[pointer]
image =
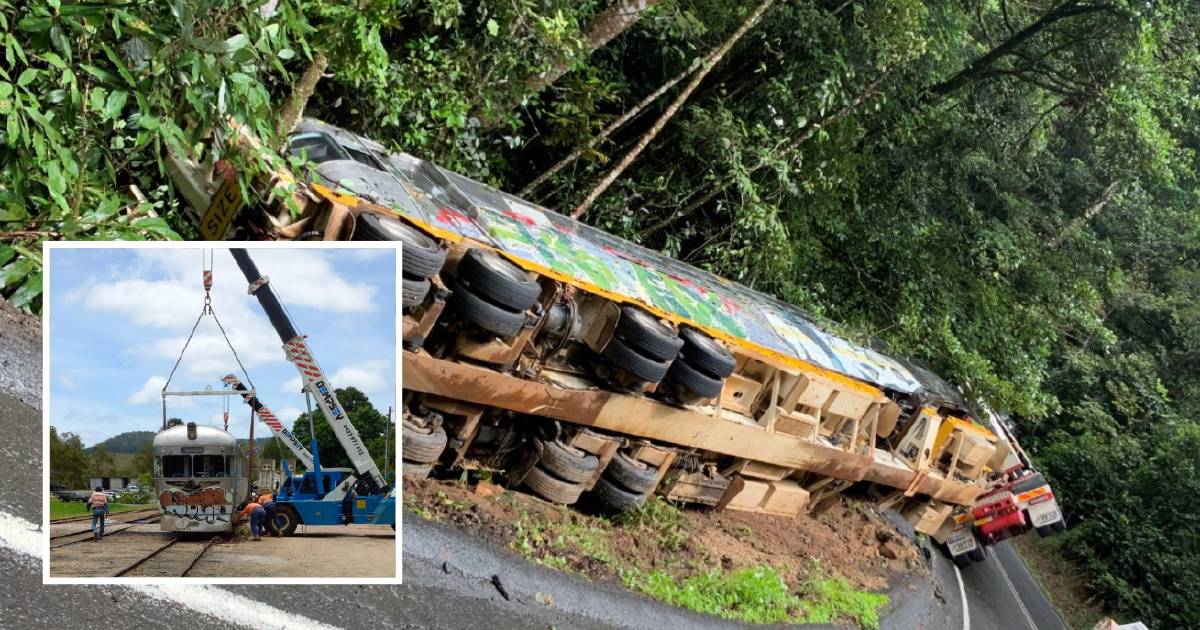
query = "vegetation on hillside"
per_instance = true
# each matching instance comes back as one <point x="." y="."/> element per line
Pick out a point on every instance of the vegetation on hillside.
<point x="371" y="424"/>
<point x="71" y="464"/>
<point x="127" y="442"/>
<point x="1004" y="190"/>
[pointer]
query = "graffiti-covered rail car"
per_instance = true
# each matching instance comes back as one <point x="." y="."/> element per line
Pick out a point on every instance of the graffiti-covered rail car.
<point x="200" y="478"/>
<point x="582" y="365"/>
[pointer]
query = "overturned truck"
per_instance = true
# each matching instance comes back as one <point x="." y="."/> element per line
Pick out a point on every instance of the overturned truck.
<point x="584" y="366"/>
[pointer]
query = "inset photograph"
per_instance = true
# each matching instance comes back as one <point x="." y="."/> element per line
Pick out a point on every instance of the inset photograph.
<point x="222" y="413"/>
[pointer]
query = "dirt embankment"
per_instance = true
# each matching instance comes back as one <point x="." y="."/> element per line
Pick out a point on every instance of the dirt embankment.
<point x="852" y="541"/>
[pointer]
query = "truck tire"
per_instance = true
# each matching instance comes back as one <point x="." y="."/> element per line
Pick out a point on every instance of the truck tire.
<point x="632" y="361"/>
<point x="490" y="317"/>
<point x="420" y="256"/>
<point x="412" y="291"/>
<point x="422" y="445"/>
<point x="705" y="354"/>
<point x="566" y="463"/>
<point x="682" y="373"/>
<point x="552" y="488"/>
<point x="497" y="280"/>
<point x="616" y="498"/>
<point x="961" y="561"/>
<point x="286" y="519"/>
<point x="413" y="470"/>
<point x="645" y="333"/>
<point x="977" y="554"/>
<point x="1044" y="531"/>
<point x="630" y="474"/>
<point x="1059" y="527"/>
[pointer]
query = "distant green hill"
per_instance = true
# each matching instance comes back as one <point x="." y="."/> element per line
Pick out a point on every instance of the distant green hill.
<point x="128" y="442"/>
<point x="132" y="441"/>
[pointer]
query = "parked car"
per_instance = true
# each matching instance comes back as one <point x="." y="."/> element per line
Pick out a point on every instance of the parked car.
<point x="74" y="495"/>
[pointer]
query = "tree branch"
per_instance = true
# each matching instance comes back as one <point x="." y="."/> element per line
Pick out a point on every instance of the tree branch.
<point x="709" y="62"/>
<point x="1088" y="215"/>
<point x="608" y="131"/>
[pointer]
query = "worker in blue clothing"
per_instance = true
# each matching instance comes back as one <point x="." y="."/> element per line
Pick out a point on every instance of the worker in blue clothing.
<point x="256" y="514"/>
<point x="98" y="504"/>
<point x="267" y="501"/>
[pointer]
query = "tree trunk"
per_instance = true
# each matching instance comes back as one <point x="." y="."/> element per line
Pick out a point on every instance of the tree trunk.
<point x="301" y="92"/>
<point x="602" y="29"/>
<point x="608" y="131"/>
<point x="980" y="66"/>
<point x="709" y="62"/>
<point x="807" y="133"/>
<point x="1105" y="196"/>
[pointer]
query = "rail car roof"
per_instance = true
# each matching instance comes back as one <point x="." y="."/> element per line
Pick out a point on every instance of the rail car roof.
<point x="935" y="389"/>
<point x="446" y="201"/>
<point x="205" y="436"/>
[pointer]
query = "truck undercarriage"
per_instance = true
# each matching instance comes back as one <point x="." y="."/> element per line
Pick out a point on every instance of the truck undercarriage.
<point x="575" y="362"/>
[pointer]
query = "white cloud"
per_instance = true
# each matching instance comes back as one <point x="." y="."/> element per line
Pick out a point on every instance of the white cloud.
<point x="150" y="392"/>
<point x="208" y="355"/>
<point x="368" y="376"/>
<point x="287" y="415"/>
<point x="302" y="277"/>
<point x="292" y="385"/>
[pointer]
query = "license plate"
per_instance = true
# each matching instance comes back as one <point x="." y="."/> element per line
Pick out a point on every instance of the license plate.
<point x="225" y="204"/>
<point x="962" y="545"/>
<point x="1044" y="514"/>
<point x="1047" y="518"/>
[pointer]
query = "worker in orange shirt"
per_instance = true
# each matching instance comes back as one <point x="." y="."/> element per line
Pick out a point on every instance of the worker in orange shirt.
<point x="267" y="500"/>
<point x="256" y="514"/>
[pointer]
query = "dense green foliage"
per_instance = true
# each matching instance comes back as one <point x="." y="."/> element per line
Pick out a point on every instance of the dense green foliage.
<point x="372" y="427"/>
<point x="68" y="464"/>
<point x="71" y="464"/>
<point x="1004" y="190"/>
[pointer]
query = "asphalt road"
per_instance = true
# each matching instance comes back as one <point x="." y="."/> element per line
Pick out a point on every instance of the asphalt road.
<point x="451" y="580"/>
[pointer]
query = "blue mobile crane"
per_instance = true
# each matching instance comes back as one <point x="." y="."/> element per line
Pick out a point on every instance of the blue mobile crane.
<point x="322" y="496"/>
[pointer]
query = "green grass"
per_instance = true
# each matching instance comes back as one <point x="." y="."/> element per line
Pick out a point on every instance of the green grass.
<point x="760" y="595"/>
<point x="58" y="509"/>
<point x="548" y="544"/>
<point x="663" y="520"/>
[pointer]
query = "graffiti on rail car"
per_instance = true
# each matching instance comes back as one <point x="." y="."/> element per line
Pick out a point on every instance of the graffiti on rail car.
<point x="533" y="234"/>
<point x="209" y="505"/>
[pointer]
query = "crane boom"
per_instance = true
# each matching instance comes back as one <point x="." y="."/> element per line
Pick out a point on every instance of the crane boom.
<point x="273" y="423"/>
<point x="296" y="350"/>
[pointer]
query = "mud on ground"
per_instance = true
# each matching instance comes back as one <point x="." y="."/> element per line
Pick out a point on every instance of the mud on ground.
<point x="850" y="540"/>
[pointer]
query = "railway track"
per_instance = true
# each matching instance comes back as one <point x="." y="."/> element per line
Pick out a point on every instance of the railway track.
<point x="84" y="535"/>
<point x="174" y="558"/>
<point x="88" y="517"/>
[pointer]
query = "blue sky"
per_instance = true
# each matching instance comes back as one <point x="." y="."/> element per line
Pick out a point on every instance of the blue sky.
<point x="119" y="318"/>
